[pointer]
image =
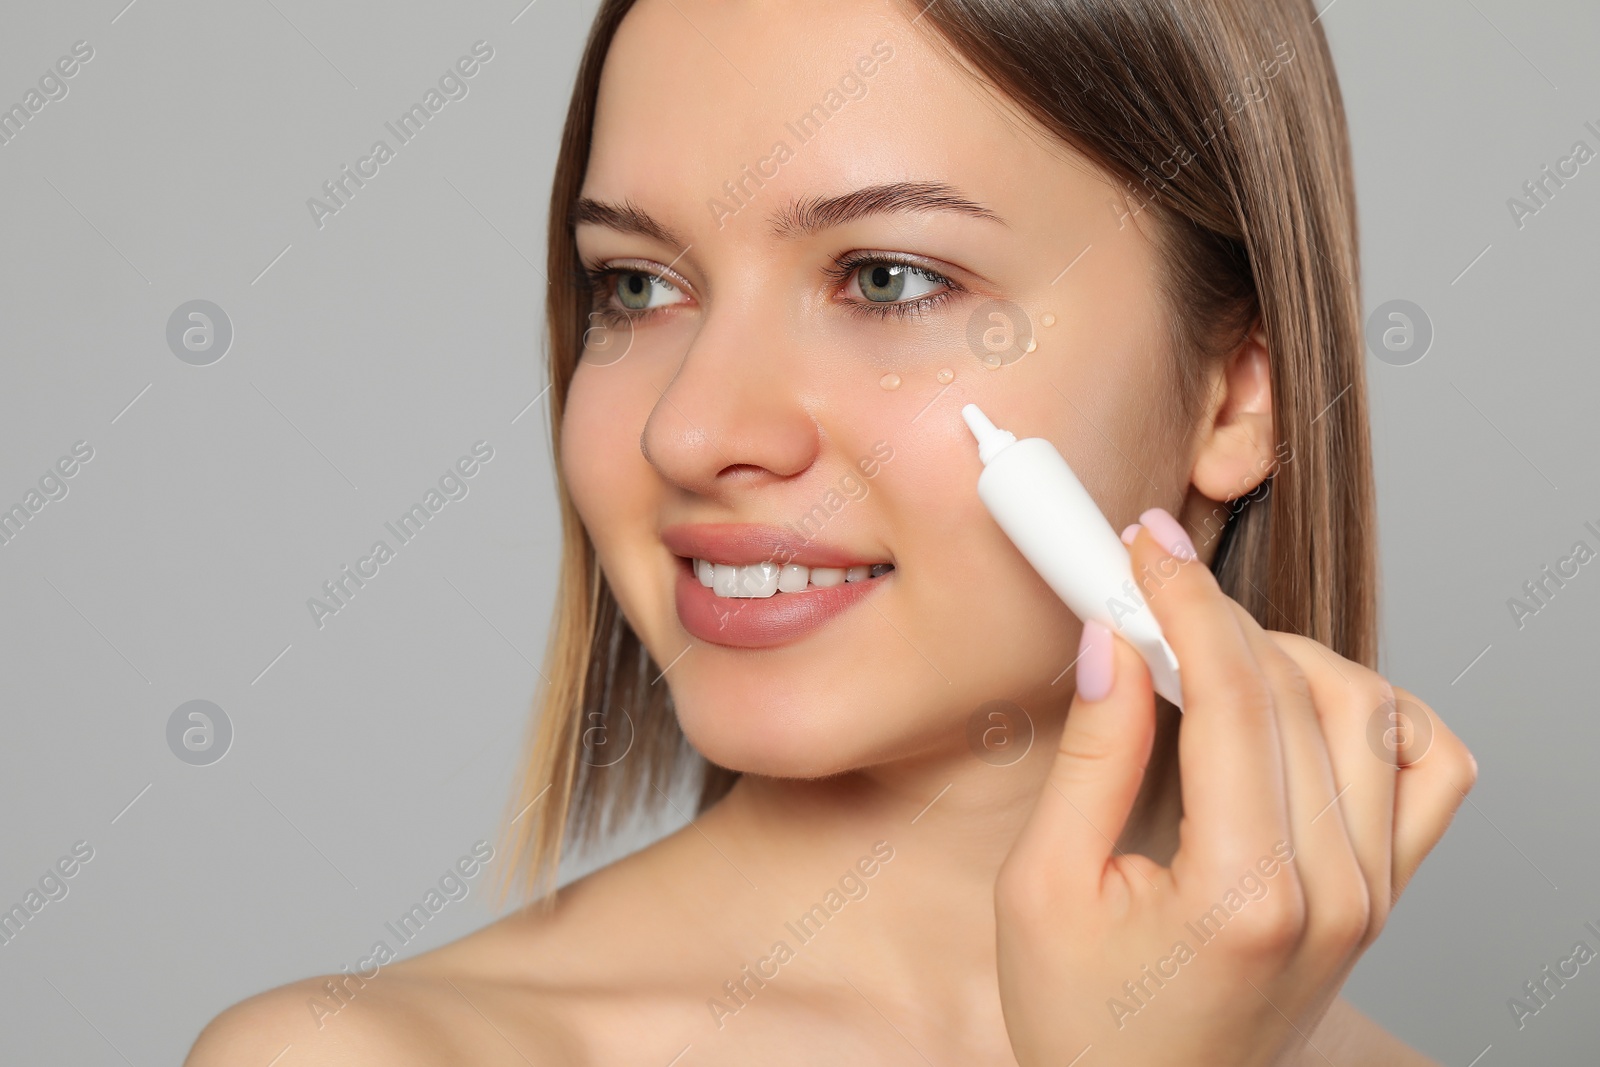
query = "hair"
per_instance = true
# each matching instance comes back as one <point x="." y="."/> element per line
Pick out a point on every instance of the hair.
<point x="1221" y="118"/>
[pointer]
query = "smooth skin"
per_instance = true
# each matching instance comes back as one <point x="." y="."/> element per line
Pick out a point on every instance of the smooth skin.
<point x="749" y="391"/>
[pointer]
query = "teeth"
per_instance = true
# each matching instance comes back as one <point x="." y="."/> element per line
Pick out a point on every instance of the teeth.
<point x="757" y="579"/>
<point x="766" y="579"/>
<point x="827" y="577"/>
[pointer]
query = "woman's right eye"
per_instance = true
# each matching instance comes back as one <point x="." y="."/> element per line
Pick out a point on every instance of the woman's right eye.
<point x="636" y="290"/>
<point x="631" y="292"/>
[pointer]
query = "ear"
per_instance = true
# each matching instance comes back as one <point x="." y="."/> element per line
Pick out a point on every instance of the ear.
<point x="1234" y="450"/>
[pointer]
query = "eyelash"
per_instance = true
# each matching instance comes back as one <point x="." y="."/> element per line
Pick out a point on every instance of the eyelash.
<point x="902" y="309"/>
<point x="599" y="281"/>
<point x="601" y="284"/>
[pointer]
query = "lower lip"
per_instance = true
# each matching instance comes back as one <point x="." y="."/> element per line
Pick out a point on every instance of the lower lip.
<point x="762" y="622"/>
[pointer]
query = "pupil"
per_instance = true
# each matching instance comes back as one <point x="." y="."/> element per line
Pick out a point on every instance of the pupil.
<point x="890" y="281"/>
<point x="635" y="292"/>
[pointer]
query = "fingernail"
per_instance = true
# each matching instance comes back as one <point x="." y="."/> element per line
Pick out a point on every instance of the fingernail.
<point x="1094" y="661"/>
<point x="1130" y="533"/>
<point x="1165" y="529"/>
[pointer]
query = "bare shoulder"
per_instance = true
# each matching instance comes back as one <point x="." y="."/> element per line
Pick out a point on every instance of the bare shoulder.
<point x="1347" y="1035"/>
<point x="533" y="987"/>
<point x="263" y="1028"/>
<point x="438" y="1008"/>
<point x="406" y="1022"/>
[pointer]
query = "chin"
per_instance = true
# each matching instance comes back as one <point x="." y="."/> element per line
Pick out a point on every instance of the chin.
<point x="779" y="732"/>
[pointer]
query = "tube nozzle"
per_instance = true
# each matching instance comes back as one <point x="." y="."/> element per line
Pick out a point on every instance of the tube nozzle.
<point x="991" y="439"/>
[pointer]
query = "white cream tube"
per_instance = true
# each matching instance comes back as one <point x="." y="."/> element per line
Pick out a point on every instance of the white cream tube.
<point x="1054" y="522"/>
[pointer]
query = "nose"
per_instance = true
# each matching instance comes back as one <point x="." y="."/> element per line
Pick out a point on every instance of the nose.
<point x="734" y="414"/>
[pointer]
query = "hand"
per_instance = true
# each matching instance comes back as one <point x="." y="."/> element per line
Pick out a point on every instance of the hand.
<point x="1297" y="837"/>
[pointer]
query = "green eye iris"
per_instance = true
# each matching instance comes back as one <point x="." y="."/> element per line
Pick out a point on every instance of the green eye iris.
<point x="633" y="290"/>
<point x="883" y="282"/>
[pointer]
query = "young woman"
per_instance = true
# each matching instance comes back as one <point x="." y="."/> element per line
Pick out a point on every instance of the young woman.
<point x="939" y="819"/>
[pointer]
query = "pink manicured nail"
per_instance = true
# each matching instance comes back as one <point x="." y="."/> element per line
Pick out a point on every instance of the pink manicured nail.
<point x="1165" y="529"/>
<point x="1094" y="662"/>
<point x="1130" y="533"/>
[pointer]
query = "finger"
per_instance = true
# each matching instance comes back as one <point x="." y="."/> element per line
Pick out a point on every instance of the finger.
<point x="1349" y="700"/>
<point x="1099" y="765"/>
<point x="1332" y="881"/>
<point x="1229" y="750"/>
<point x="1436" y="773"/>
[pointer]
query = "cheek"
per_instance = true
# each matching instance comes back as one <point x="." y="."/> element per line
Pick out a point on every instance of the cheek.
<point x="606" y="474"/>
<point x="971" y="604"/>
<point x="984" y="617"/>
<point x="1097" y="389"/>
<point x="617" y="493"/>
<point x="969" y="621"/>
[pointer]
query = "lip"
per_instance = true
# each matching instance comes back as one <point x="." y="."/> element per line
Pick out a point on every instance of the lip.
<point x="759" y="622"/>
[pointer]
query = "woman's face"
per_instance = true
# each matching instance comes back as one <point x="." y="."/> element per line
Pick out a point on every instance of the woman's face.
<point x="786" y="370"/>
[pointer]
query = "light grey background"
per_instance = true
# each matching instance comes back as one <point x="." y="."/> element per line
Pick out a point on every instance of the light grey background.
<point x="370" y="354"/>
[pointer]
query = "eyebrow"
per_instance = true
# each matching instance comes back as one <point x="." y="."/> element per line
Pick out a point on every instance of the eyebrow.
<point x="800" y="217"/>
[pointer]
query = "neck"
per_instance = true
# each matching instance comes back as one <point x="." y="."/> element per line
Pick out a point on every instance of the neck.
<point x="923" y="919"/>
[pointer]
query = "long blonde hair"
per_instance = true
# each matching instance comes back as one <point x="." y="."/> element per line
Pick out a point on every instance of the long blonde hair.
<point x="1222" y="119"/>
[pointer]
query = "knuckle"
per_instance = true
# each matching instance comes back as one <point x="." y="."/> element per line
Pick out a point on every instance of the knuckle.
<point x="1463" y="773"/>
<point x="1421" y="710"/>
<point x="1295" y="644"/>
<point x="1246" y="690"/>
<point x="1286" y="638"/>
<point x="1469" y="776"/>
<point x="1464" y="765"/>
<point x="1383" y="694"/>
<point x="1091" y="746"/>
<point x="1273" y="925"/>
<point x="1386" y="690"/>
<point x="1398" y="692"/>
<point x="1310" y="650"/>
<point x="1347" y="915"/>
<point x="1282" y="658"/>
<point x="1293" y="678"/>
<point x="1379" y="905"/>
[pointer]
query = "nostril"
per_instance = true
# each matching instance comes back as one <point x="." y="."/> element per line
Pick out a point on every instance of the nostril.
<point x="742" y="472"/>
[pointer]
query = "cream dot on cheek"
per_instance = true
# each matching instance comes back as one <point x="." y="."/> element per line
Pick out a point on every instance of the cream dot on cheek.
<point x="890" y="381"/>
<point x="1048" y="319"/>
<point x="946" y="376"/>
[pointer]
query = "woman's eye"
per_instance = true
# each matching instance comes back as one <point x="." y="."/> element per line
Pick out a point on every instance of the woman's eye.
<point x="890" y="283"/>
<point x="637" y="290"/>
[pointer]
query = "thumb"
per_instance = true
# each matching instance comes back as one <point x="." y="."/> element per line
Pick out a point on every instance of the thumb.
<point x="1099" y="765"/>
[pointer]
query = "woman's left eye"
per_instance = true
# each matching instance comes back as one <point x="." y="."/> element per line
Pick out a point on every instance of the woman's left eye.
<point x="887" y="282"/>
<point x="882" y="285"/>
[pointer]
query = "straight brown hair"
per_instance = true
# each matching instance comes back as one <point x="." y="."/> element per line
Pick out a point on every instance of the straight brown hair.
<point x="1220" y="118"/>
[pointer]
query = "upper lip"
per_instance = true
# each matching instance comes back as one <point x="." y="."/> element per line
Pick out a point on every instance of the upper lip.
<point x="729" y="542"/>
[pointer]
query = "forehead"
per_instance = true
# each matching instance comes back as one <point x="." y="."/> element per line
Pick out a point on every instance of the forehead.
<point x="789" y="99"/>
